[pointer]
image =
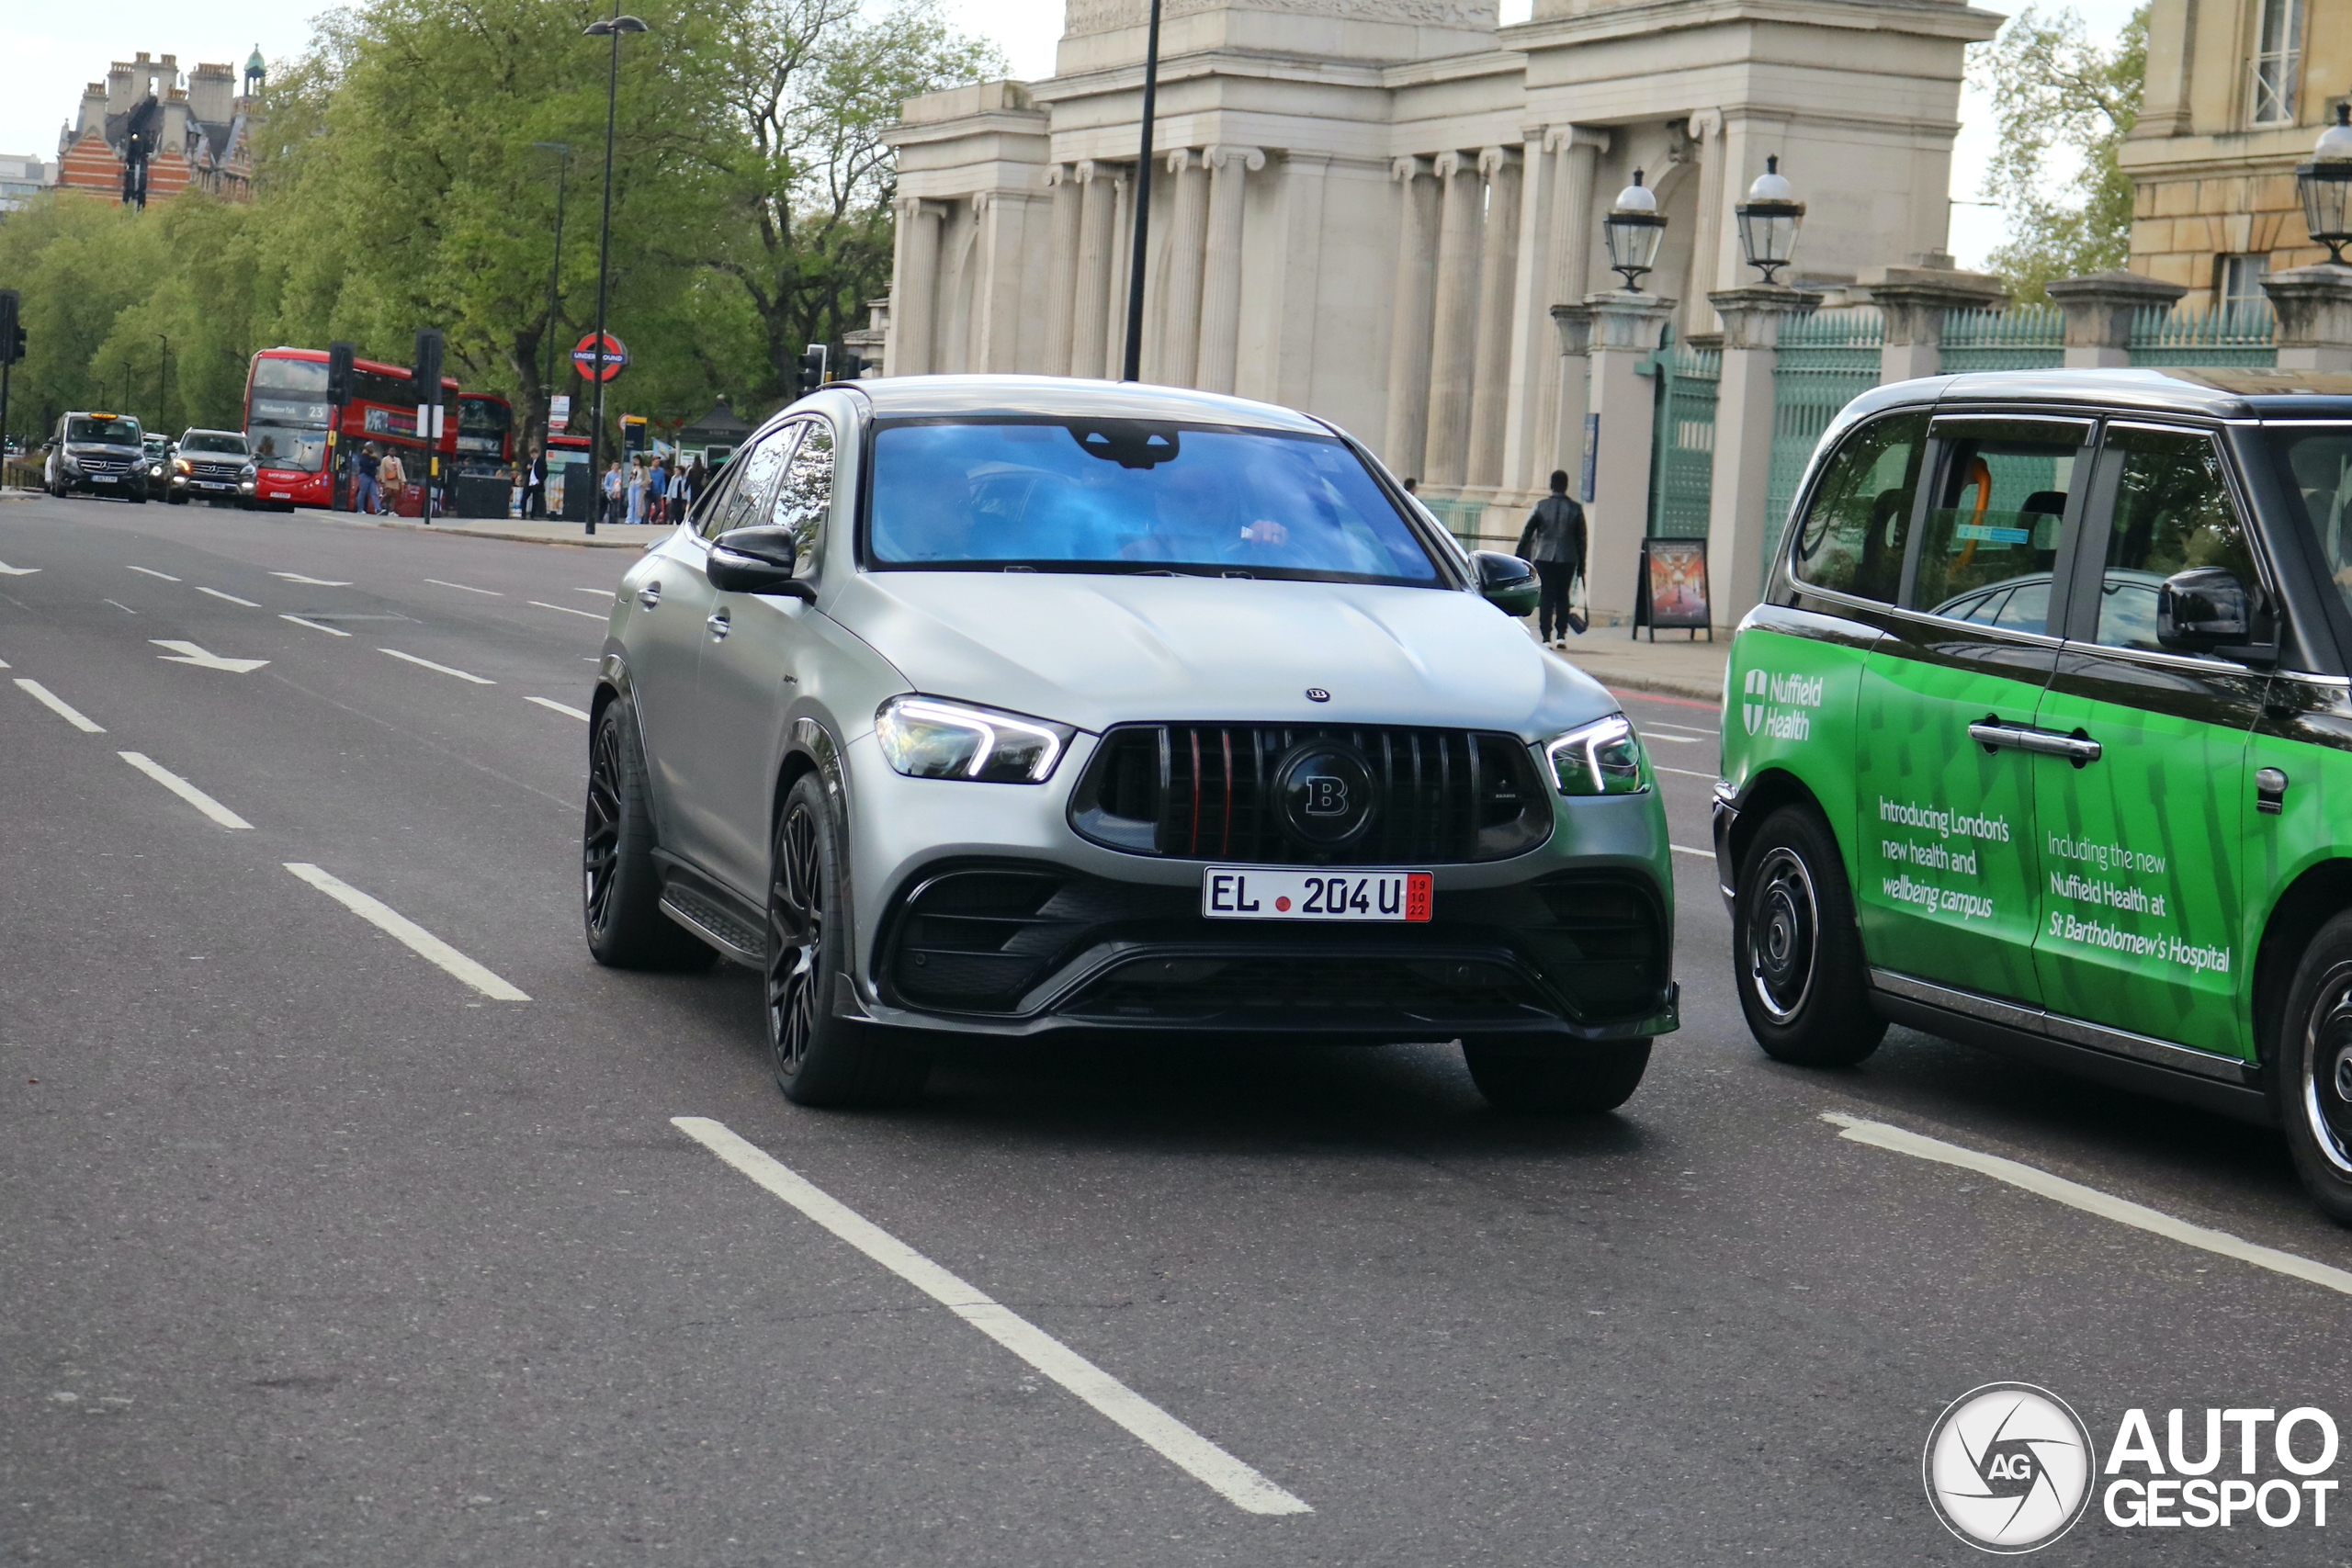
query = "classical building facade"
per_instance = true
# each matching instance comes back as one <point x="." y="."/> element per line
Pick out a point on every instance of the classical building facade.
<point x="2237" y="91"/>
<point x="201" y="129"/>
<point x="1370" y="208"/>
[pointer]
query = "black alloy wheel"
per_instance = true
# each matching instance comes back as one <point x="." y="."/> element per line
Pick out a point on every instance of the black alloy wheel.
<point x="620" y="887"/>
<point x="795" y="941"/>
<point x="1796" y="948"/>
<point x="2312" y="1080"/>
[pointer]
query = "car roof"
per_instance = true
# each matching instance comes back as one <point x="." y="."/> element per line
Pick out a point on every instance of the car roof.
<point x="1064" y="397"/>
<point x="2207" y="391"/>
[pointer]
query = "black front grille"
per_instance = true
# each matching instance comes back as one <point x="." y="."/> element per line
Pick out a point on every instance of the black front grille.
<point x="98" y="464"/>
<point x="1207" y="792"/>
<point x="216" y="471"/>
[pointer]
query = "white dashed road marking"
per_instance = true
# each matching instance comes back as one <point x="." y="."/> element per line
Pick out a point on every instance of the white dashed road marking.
<point x="149" y="571"/>
<point x="231" y="597"/>
<point x="315" y="626"/>
<point x="559" y="707"/>
<point x="599" y="592"/>
<point x="2090" y="1199"/>
<point x="1685" y="773"/>
<point x="314" y="581"/>
<point x="492" y="593"/>
<point x="1235" y="1482"/>
<point x="186" y="791"/>
<point x="422" y="942"/>
<point x="1687" y="849"/>
<point x="427" y="663"/>
<point x="564" y="609"/>
<point x="58" y="706"/>
<point x="7" y="570"/>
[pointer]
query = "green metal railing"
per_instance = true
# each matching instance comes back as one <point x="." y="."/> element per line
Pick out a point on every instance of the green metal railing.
<point x="2024" y="337"/>
<point x="2227" y="335"/>
<point x="1683" y="451"/>
<point x="1827" y="360"/>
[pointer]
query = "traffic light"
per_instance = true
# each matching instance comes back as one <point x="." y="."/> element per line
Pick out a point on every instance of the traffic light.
<point x="428" y="366"/>
<point x="812" y="368"/>
<point x="339" y="356"/>
<point x="12" y="331"/>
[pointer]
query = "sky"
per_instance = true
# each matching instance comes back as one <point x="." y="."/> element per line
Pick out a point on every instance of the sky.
<point x="51" y="51"/>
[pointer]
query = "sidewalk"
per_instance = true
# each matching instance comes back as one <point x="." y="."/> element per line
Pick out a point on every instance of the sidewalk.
<point x="1672" y="666"/>
<point x="608" y="537"/>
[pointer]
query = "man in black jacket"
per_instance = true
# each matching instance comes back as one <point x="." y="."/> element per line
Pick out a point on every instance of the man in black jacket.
<point x="1553" y="542"/>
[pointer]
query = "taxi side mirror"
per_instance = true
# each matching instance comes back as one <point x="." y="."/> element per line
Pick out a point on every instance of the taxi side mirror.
<point x="1506" y="582"/>
<point x="2204" y="610"/>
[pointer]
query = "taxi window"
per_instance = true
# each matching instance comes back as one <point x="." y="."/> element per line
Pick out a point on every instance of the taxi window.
<point x="2318" y="463"/>
<point x="2172" y="512"/>
<point x="1853" y="534"/>
<point x="1994" y="521"/>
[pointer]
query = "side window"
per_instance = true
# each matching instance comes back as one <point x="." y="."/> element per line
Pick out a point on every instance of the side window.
<point x="2172" y="512"/>
<point x="754" y="470"/>
<point x="1853" y="534"/>
<point x="1994" y="520"/>
<point x="806" y="496"/>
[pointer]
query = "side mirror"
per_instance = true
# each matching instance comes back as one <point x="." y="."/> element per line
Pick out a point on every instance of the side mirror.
<point x="1506" y="582"/>
<point x="2202" y="610"/>
<point x="756" y="561"/>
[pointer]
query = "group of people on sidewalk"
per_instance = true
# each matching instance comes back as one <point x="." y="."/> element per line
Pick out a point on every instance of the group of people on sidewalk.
<point x="656" y="490"/>
<point x="378" y="480"/>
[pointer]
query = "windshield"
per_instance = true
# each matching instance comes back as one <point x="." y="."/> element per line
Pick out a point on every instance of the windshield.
<point x="280" y="447"/>
<point x="103" y="432"/>
<point x="212" y="441"/>
<point x="291" y="375"/>
<point x="1121" y="495"/>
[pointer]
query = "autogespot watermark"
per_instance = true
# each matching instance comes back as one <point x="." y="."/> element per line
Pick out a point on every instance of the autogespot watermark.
<point x="2010" y="1468"/>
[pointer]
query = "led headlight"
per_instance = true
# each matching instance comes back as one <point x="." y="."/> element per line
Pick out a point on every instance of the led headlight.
<point x="927" y="739"/>
<point x="1600" y="758"/>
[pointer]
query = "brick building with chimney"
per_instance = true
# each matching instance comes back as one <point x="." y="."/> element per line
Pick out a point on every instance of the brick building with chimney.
<point x="193" y="135"/>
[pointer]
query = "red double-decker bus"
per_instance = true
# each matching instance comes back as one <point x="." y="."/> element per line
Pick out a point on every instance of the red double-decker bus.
<point x="288" y="420"/>
<point x="485" y="433"/>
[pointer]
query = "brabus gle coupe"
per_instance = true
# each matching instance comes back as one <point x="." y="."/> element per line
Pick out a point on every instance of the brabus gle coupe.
<point x="1001" y="706"/>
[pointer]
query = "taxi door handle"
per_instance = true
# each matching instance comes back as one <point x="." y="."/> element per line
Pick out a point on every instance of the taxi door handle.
<point x="719" y="625"/>
<point x="2078" y="748"/>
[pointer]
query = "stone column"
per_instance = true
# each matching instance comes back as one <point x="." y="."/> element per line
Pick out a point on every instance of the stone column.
<point x="1490" y="386"/>
<point x="1531" y="354"/>
<point x="1625" y="330"/>
<point x="2100" y="313"/>
<point x="1566" y="257"/>
<point x="1453" y="335"/>
<point x="914" y="316"/>
<point x="1572" y="330"/>
<point x="2315" y="307"/>
<point x="1410" y="320"/>
<point x="1221" y="274"/>
<point x="1091" y="294"/>
<point x="1736" y="524"/>
<point x="1913" y="299"/>
<point x="1061" y="278"/>
<point x="1123" y="251"/>
<point x="1179" y="290"/>
<point x="1707" y="232"/>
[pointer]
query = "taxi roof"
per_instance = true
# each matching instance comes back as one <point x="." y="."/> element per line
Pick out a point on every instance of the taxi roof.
<point x="2213" y="392"/>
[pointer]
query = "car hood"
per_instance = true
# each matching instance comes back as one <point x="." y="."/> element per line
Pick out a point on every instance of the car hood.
<point x="1095" y="651"/>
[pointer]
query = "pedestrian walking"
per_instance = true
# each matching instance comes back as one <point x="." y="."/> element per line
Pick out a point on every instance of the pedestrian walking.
<point x="392" y="479"/>
<point x="534" y="483"/>
<point x="657" y="494"/>
<point x="695" y="478"/>
<point x="1554" y="543"/>
<point x="615" y="494"/>
<point x="367" y="497"/>
<point x="637" y="490"/>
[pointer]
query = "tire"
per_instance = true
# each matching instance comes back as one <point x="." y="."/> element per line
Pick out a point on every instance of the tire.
<point x="1797" y="950"/>
<point x="2312" y="1076"/>
<point x="1553" y="1079"/>
<point x="820" y="1059"/>
<point x="620" y="891"/>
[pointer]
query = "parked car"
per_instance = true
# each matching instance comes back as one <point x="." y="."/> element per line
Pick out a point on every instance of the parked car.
<point x="996" y="707"/>
<point x="2033" y="740"/>
<point x="214" y="465"/>
<point x="94" y="453"/>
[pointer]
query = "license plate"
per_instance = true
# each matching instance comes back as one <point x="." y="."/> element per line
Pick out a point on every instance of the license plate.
<point x="102" y="478"/>
<point x="1255" y="893"/>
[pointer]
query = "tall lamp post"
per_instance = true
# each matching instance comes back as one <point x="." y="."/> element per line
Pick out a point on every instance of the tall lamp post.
<point x="1131" y="362"/>
<point x="612" y="26"/>
<point x="163" y="370"/>
<point x="555" y="281"/>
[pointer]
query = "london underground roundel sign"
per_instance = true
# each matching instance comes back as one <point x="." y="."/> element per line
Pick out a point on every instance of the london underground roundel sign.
<point x="583" y="357"/>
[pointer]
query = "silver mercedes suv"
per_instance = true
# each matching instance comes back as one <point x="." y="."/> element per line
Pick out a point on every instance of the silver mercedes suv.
<point x="1001" y="706"/>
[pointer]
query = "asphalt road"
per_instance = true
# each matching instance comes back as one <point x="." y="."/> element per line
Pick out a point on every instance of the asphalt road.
<point x="314" y="1253"/>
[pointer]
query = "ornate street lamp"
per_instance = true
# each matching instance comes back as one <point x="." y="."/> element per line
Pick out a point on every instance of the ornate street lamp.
<point x="1632" y="230"/>
<point x="2326" y="183"/>
<point x="1768" y="220"/>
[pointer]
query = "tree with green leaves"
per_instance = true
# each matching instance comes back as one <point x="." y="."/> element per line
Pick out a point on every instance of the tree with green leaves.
<point x="2063" y="105"/>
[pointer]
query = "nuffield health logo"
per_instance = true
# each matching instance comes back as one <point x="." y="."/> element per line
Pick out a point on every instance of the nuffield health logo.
<point x="1775" y="704"/>
<point x="2008" y="1467"/>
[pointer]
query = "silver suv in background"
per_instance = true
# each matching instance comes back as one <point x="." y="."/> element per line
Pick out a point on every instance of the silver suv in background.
<point x="214" y="465"/>
<point x="995" y="708"/>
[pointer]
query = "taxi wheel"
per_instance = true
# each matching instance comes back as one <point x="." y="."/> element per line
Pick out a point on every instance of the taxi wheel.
<point x="820" y="1058"/>
<point x="620" y="890"/>
<point x="2314" y="1076"/>
<point x="1549" y="1079"/>
<point x="1797" y="950"/>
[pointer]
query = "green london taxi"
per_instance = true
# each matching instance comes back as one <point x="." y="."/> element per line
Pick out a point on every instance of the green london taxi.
<point x="2041" y="741"/>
